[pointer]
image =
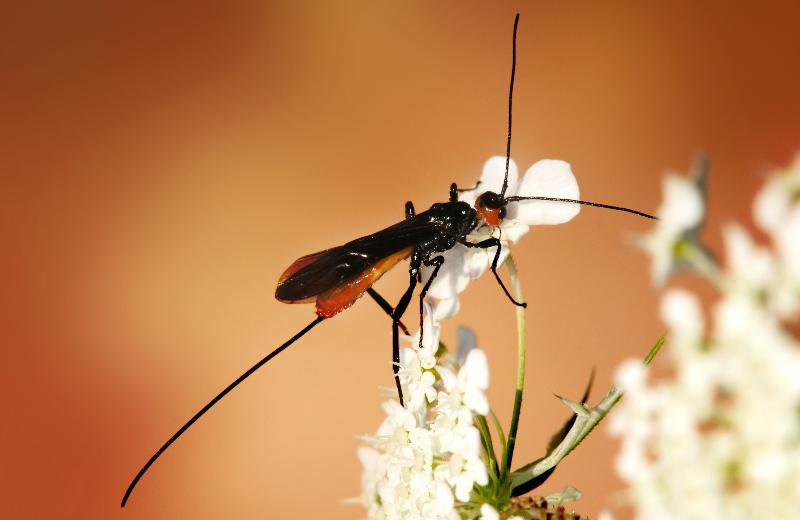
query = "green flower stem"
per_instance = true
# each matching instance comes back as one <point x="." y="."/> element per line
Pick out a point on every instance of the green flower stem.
<point x="512" y="430"/>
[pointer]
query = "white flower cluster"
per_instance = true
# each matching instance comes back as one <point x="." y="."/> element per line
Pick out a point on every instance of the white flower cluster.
<point x="720" y="438"/>
<point x="427" y="455"/>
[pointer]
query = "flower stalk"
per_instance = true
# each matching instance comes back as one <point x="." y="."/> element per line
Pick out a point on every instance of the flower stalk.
<point x="520" y="313"/>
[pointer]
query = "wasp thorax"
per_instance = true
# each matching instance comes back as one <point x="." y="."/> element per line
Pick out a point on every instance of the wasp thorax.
<point x="491" y="207"/>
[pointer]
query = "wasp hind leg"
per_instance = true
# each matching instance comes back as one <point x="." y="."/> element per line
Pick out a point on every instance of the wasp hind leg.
<point x="387" y="308"/>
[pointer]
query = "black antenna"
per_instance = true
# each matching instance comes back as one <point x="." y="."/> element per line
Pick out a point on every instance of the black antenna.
<point x="510" y="96"/>
<point x="585" y="203"/>
<point x="214" y="401"/>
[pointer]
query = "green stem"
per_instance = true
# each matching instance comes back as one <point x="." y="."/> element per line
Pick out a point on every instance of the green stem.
<point x="501" y="436"/>
<point x="512" y="430"/>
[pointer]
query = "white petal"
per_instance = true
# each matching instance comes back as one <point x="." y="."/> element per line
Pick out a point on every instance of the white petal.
<point x="467" y="341"/>
<point x="489" y="513"/>
<point x="476" y="369"/>
<point x="476" y="261"/>
<point x="788" y="244"/>
<point x="494" y="171"/>
<point x="476" y="401"/>
<point x="449" y="379"/>
<point x="547" y="178"/>
<point x="446" y="308"/>
<point x="477" y="471"/>
<point x="443" y="497"/>
<point x="368" y="457"/>
<point x="681" y="312"/>
<point x="453" y="276"/>
<point x="746" y="262"/>
<point x="513" y="230"/>
<point x="683" y="205"/>
<point x="770" y="205"/>
<point x="463" y="488"/>
<point x="630" y="375"/>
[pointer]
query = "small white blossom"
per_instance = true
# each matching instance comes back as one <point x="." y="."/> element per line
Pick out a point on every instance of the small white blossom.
<point x="489" y="513"/>
<point x="780" y="194"/>
<point x="680" y="217"/>
<point x="469" y="385"/>
<point x="416" y="364"/>
<point x="750" y="268"/>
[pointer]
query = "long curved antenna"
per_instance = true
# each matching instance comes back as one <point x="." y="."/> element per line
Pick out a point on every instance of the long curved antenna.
<point x="586" y="203"/>
<point x="214" y="401"/>
<point x="510" y="96"/>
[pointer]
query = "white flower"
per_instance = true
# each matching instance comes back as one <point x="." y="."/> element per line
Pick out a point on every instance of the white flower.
<point x="416" y="364"/>
<point x="777" y="211"/>
<point x="776" y="199"/>
<point x="630" y="375"/>
<point x="463" y="473"/>
<point x="427" y="456"/>
<point x="489" y="513"/>
<point x="788" y="244"/>
<point x="680" y="217"/>
<point x="468" y="386"/>
<point x="720" y="437"/>
<point x="371" y="463"/>
<point x="681" y="312"/>
<point x="417" y="380"/>
<point x="750" y="268"/>
<point x="549" y="178"/>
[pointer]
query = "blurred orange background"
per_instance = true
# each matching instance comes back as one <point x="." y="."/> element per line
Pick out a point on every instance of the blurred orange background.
<point x="162" y="164"/>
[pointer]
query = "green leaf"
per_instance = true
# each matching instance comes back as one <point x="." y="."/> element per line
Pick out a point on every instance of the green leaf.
<point x="555" y="440"/>
<point x="569" y="494"/>
<point x="655" y="349"/>
<point x="533" y="474"/>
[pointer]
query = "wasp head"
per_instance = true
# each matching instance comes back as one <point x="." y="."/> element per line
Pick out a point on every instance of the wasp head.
<point x="491" y="207"/>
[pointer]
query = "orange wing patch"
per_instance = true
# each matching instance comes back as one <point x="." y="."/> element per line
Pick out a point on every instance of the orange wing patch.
<point x="335" y="300"/>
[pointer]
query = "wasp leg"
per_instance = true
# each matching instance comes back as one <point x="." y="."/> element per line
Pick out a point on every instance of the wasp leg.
<point x="381" y="301"/>
<point x="462" y="190"/>
<point x="436" y="262"/>
<point x="486" y="244"/>
<point x="399" y="310"/>
<point x="410" y="210"/>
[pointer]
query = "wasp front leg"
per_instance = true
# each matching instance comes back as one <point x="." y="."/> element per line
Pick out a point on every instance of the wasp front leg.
<point x="399" y="310"/>
<point x="489" y="243"/>
<point x="436" y="262"/>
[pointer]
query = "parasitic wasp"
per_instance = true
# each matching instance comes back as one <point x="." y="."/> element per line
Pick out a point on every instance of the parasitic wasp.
<point x="335" y="278"/>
